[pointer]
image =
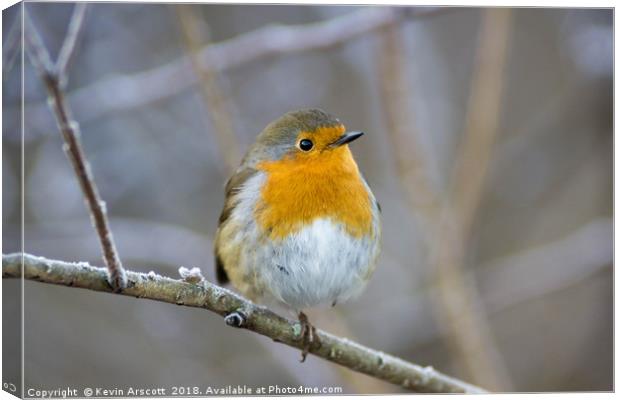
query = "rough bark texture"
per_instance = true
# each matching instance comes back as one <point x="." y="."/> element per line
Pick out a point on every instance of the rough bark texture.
<point x="223" y="302"/>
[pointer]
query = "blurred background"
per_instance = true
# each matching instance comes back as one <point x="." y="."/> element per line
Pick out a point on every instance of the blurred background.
<point x="488" y="142"/>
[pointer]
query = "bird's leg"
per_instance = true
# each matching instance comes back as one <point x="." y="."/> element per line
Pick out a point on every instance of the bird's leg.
<point x="308" y="334"/>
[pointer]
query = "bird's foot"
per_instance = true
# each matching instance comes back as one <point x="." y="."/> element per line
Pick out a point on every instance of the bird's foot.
<point x="308" y="335"/>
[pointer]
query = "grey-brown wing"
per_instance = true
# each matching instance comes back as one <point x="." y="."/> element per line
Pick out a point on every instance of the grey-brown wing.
<point x="233" y="186"/>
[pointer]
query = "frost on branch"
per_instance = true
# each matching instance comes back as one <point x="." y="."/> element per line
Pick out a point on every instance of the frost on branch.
<point x="193" y="275"/>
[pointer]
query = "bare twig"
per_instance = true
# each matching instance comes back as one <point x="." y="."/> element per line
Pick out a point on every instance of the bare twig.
<point x="463" y="312"/>
<point x="70" y="132"/>
<point x="11" y="46"/>
<point x="195" y="34"/>
<point x="39" y="56"/>
<point x="70" y="42"/>
<point x="258" y="319"/>
<point x="173" y="78"/>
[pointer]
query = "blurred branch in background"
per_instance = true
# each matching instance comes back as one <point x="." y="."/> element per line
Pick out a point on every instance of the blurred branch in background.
<point x="543" y="269"/>
<point x="258" y="319"/>
<point x="458" y="302"/>
<point x="565" y="102"/>
<point x="481" y="121"/>
<point x="509" y="281"/>
<point x="195" y="34"/>
<point x="140" y="89"/>
<point x="70" y="42"/>
<point x="412" y="164"/>
<point x="462" y="312"/>
<point x="54" y="78"/>
<point x="11" y="47"/>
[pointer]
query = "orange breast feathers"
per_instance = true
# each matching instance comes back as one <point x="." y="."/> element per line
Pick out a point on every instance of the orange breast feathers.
<point x="301" y="188"/>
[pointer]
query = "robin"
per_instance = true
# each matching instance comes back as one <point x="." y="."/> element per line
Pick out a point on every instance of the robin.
<point x="300" y="225"/>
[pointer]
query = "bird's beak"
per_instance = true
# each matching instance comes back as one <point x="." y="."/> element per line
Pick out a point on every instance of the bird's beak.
<point x="346" y="138"/>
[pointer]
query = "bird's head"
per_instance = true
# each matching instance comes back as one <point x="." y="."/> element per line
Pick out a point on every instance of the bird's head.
<point x="303" y="135"/>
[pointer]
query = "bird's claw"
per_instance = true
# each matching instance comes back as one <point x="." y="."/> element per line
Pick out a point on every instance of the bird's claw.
<point x="308" y="335"/>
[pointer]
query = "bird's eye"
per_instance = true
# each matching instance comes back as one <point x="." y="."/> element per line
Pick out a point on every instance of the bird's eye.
<point x="305" y="144"/>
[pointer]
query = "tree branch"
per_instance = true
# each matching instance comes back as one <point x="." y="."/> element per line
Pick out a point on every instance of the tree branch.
<point x="257" y="319"/>
<point x="11" y="47"/>
<point x="53" y="76"/>
<point x="71" y="39"/>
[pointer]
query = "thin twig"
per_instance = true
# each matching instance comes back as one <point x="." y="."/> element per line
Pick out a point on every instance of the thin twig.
<point x="70" y="132"/>
<point x="461" y="307"/>
<point x="175" y="77"/>
<point x="11" y="46"/>
<point x="70" y="42"/>
<point x="258" y="319"/>
<point x="38" y="54"/>
<point x="195" y="34"/>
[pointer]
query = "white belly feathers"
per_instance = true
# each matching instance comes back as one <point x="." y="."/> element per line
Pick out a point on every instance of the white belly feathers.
<point x="320" y="264"/>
